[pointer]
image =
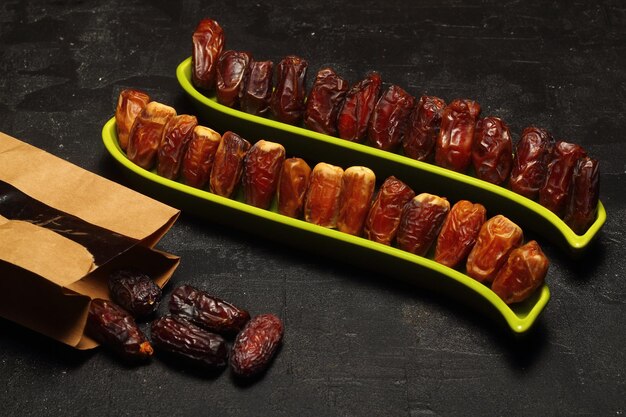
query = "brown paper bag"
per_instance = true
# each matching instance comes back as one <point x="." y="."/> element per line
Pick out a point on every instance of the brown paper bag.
<point x="62" y="230"/>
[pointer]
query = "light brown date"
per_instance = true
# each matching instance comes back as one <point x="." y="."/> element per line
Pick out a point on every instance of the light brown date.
<point x="357" y="188"/>
<point x="292" y="186"/>
<point x="228" y="164"/>
<point x="321" y="202"/>
<point x="199" y="156"/>
<point x="383" y="218"/>
<point x="554" y="193"/>
<point x="177" y="134"/>
<point x="262" y="166"/>
<point x="145" y="136"/>
<point x="231" y="71"/>
<point x="129" y="104"/>
<point x="524" y="271"/>
<point x="498" y="236"/>
<point x="530" y="164"/>
<point x="421" y="221"/>
<point x="492" y="151"/>
<point x="453" y="149"/>
<point x="582" y="206"/>
<point x="208" y="42"/>
<point x="459" y="233"/>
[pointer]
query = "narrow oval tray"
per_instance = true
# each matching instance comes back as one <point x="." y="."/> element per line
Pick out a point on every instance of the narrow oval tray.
<point x="528" y="213"/>
<point x="390" y="261"/>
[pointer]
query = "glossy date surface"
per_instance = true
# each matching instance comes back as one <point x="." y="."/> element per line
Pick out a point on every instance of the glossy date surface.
<point x="135" y="291"/>
<point x="257" y="90"/>
<point x="357" y="108"/>
<point x="256" y="345"/>
<point x="582" y="205"/>
<point x="390" y="118"/>
<point x="129" y="104"/>
<point x="357" y="188"/>
<point x="422" y="128"/>
<point x="492" y="151"/>
<point x="208" y="43"/>
<point x="555" y="191"/>
<point x="176" y="136"/>
<point x="261" y="171"/>
<point x="530" y="164"/>
<point x="324" y="102"/>
<point x="292" y="186"/>
<point x="199" y="156"/>
<point x="420" y="223"/>
<point x="383" y="218"/>
<point x="287" y="102"/>
<point x="228" y="164"/>
<point x="459" y="233"/>
<point x="230" y="76"/>
<point x="453" y="149"/>
<point x="147" y="132"/>
<point x="321" y="202"/>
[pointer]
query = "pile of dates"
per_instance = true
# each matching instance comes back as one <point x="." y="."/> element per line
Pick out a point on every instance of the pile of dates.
<point x="490" y="250"/>
<point x="560" y="176"/>
<point x="195" y="331"/>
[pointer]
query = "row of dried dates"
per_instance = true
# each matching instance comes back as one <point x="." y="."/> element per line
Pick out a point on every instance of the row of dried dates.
<point x="329" y="196"/>
<point x="560" y="176"/>
<point x="196" y="330"/>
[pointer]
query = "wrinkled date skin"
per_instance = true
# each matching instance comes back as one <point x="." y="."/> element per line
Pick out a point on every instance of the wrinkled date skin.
<point x="257" y="90"/>
<point x="262" y="166"/>
<point x="582" y="206"/>
<point x="530" y="164"/>
<point x="147" y="132"/>
<point x="292" y="186"/>
<point x="453" y="149"/>
<point x="256" y="345"/>
<point x="189" y="342"/>
<point x="129" y="104"/>
<point x="177" y="134"/>
<point x="554" y="193"/>
<point x="208" y="43"/>
<point x="357" y="189"/>
<point x="228" y="164"/>
<point x="421" y="132"/>
<point x="390" y="118"/>
<point x="421" y="221"/>
<point x="113" y="326"/>
<point x="199" y="156"/>
<point x="383" y="218"/>
<point x="287" y="102"/>
<point x="207" y="311"/>
<point x="321" y="202"/>
<point x="524" y="271"/>
<point x="324" y="102"/>
<point x="355" y="114"/>
<point x="134" y="291"/>
<point x="459" y="233"/>
<point x="231" y="73"/>
<point x="492" y="152"/>
<point x="497" y="238"/>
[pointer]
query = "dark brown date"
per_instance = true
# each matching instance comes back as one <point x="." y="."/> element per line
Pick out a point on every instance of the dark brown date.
<point x="257" y="91"/>
<point x="228" y="164"/>
<point x="492" y="151"/>
<point x="113" y="326"/>
<point x="208" y="42"/>
<point x="145" y="136"/>
<point x="189" y="342"/>
<point x="530" y="164"/>
<point x="459" y="233"/>
<point x="199" y="156"/>
<point x="292" y="186"/>
<point x="321" y="201"/>
<point x="383" y="218"/>
<point x="262" y="166"/>
<point x="129" y="104"/>
<point x="357" y="188"/>
<point x="584" y="194"/>
<point x="524" y="271"/>
<point x="453" y="149"/>
<point x="324" y="102"/>
<point x="177" y="134"/>
<point x="421" y="221"/>
<point x="256" y="345"/>
<point x="389" y="118"/>
<point x="287" y="102"/>
<point x="355" y="114"/>
<point x="421" y="132"/>
<point x="207" y="311"/>
<point x="134" y="291"/>
<point x="498" y="236"/>
<point x="231" y="73"/>
<point x="554" y="193"/>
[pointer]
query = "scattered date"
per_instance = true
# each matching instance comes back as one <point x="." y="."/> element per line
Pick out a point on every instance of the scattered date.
<point x="256" y="345"/>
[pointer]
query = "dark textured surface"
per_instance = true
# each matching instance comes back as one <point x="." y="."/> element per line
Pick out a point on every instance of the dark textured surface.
<point x="356" y="343"/>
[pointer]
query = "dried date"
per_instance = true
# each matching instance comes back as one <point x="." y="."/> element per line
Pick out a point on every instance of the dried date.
<point x="228" y="164"/>
<point x="292" y="186"/>
<point x="389" y="118"/>
<point x="257" y="91"/>
<point x="287" y="102"/>
<point x="113" y="326"/>
<point x="383" y="218"/>
<point x="208" y="42"/>
<point x="524" y="271"/>
<point x="321" y="201"/>
<point x="355" y="114"/>
<point x="421" y="132"/>
<point x="584" y="195"/>
<point x="199" y="156"/>
<point x="134" y="291"/>
<point x="420" y="222"/>
<point x="261" y="171"/>
<point x="324" y="102"/>
<point x="453" y="149"/>
<point x="530" y="164"/>
<point x="189" y="342"/>
<point x="209" y="312"/>
<point x="554" y="193"/>
<point x="231" y="72"/>
<point x="357" y="188"/>
<point x="498" y="236"/>
<point x="145" y="136"/>
<point x="176" y="136"/>
<point x="256" y="345"/>
<point x="129" y="104"/>
<point x="492" y="151"/>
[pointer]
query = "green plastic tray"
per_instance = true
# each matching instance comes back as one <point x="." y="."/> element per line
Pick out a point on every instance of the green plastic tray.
<point x="525" y="212"/>
<point x="391" y="262"/>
